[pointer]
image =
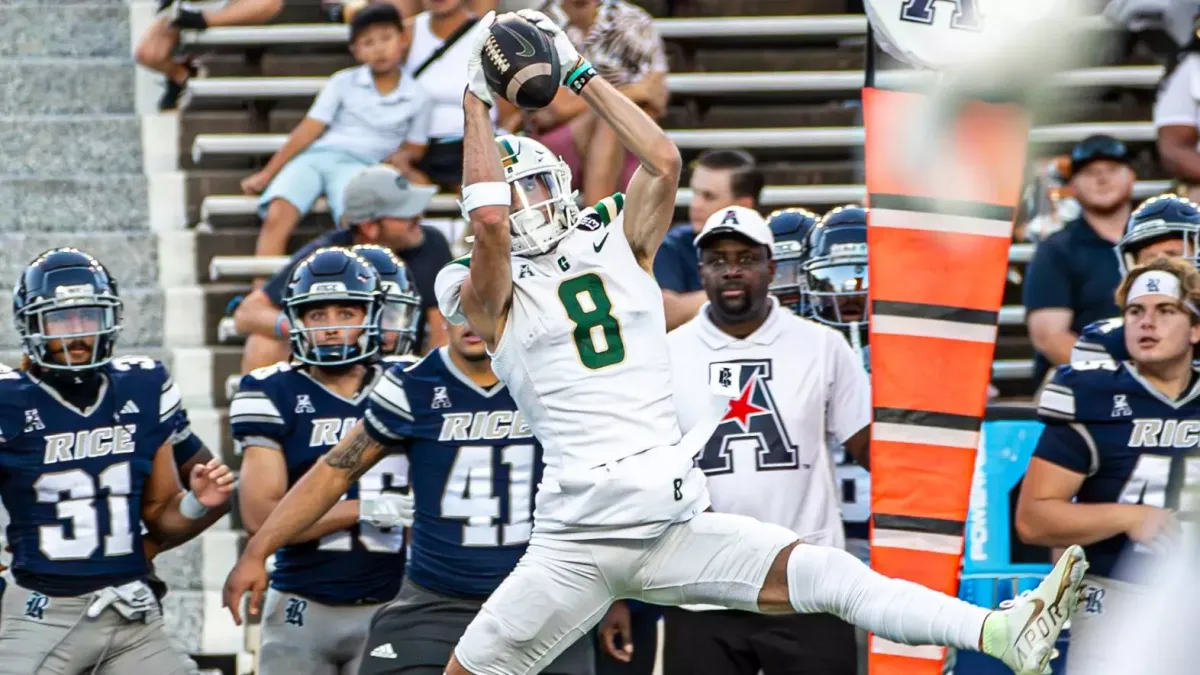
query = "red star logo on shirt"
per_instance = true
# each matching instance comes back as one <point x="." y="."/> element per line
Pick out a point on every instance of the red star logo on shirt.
<point x="741" y="409"/>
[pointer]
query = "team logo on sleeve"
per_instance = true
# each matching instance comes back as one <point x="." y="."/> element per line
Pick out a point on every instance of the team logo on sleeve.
<point x="751" y="427"/>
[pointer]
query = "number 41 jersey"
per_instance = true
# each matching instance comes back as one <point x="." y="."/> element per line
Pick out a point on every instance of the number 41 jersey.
<point x="1133" y="444"/>
<point x="283" y="408"/>
<point x="473" y="467"/>
<point x="73" y="480"/>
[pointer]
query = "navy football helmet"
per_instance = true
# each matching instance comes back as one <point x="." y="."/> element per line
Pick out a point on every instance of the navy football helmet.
<point x="333" y="276"/>
<point x="66" y="296"/>
<point x="401" y="302"/>
<point x="834" y="272"/>
<point x="790" y="228"/>
<point x="1166" y="216"/>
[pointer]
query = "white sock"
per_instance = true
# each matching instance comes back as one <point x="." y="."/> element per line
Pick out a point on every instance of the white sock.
<point x="822" y="579"/>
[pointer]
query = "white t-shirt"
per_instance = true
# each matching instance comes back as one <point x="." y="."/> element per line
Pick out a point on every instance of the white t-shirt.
<point x="1178" y="102"/>
<point x="797" y="389"/>
<point x="444" y="79"/>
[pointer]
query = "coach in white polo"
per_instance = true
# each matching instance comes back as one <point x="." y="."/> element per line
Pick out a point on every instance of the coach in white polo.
<point x="792" y="389"/>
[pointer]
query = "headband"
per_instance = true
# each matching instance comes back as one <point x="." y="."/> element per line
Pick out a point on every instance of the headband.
<point x="1157" y="282"/>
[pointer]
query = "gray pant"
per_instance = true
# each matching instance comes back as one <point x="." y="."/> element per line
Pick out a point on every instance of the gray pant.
<point x="40" y="635"/>
<point x="416" y="634"/>
<point x="305" y="637"/>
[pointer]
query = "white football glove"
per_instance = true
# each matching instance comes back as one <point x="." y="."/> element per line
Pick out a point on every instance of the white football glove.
<point x="568" y="56"/>
<point x="389" y="509"/>
<point x="476" y="82"/>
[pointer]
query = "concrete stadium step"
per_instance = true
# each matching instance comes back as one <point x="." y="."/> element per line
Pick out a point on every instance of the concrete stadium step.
<point x="93" y="203"/>
<point x="143" y="315"/>
<point x="98" y="28"/>
<point x="226" y="361"/>
<point x="74" y="145"/>
<point x="216" y="299"/>
<point x="66" y="86"/>
<point x="778" y="115"/>
<point x="193" y="122"/>
<point x="132" y="257"/>
<point x="239" y="241"/>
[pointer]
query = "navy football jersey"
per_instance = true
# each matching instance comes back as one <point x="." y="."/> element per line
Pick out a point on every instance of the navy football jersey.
<point x="1101" y="340"/>
<point x="474" y="466"/>
<point x="1103" y="420"/>
<point x="72" y="480"/>
<point x="283" y="408"/>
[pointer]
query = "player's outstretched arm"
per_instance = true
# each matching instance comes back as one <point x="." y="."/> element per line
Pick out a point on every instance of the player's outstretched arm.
<point x="174" y="515"/>
<point x="487" y="291"/>
<point x="650" y="197"/>
<point x="317" y="492"/>
<point x="264" y="487"/>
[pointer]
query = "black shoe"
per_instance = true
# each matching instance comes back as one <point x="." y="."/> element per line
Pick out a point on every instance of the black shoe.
<point x="175" y="90"/>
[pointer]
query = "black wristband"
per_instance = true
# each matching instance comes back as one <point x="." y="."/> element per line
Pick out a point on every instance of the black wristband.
<point x="578" y="79"/>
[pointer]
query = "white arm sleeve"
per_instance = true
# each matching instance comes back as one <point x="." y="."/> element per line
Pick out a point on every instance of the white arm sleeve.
<point x="848" y="408"/>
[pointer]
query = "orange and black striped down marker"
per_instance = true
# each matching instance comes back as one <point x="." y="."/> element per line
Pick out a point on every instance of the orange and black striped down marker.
<point x="938" y="255"/>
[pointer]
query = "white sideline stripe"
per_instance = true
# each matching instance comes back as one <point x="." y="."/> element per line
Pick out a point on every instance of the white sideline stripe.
<point x="913" y="433"/>
<point x="882" y="646"/>
<point x="933" y="328"/>
<point x="940" y="222"/>
<point x="917" y="541"/>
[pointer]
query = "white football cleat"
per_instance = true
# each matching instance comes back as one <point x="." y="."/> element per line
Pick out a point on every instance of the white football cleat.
<point x="1023" y="631"/>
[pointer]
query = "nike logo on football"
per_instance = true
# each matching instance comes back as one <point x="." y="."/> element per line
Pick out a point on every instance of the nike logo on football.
<point x="527" y="49"/>
<point x="599" y="246"/>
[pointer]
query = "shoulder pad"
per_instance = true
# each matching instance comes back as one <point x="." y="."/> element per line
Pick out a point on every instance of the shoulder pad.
<point x="1102" y="327"/>
<point x="605" y="212"/>
<point x="447" y="288"/>
<point x="263" y="379"/>
<point x="1081" y="391"/>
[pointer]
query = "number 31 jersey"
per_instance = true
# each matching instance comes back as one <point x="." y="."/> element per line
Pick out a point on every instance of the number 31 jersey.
<point x="73" y="480"/>
<point x="282" y="408"/>
<point x="584" y="354"/>
<point x="1133" y="444"/>
<point x="474" y="465"/>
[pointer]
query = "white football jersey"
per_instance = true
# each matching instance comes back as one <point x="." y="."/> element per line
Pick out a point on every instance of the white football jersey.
<point x="584" y="354"/>
<point x="795" y="388"/>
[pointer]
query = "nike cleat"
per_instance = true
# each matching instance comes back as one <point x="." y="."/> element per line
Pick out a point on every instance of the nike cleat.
<point x="1023" y="631"/>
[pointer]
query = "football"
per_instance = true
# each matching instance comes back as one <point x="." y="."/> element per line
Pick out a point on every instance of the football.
<point x="521" y="64"/>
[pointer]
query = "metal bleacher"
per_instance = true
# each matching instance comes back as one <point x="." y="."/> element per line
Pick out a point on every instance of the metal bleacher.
<point x="782" y="87"/>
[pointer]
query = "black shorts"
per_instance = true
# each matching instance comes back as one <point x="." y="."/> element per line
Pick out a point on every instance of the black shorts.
<point x="421" y="628"/>
<point x="728" y="642"/>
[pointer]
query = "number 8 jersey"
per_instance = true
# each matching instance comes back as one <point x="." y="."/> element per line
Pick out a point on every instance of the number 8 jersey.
<point x="584" y="354"/>
<point x="1132" y="444"/>
<point x="72" y="479"/>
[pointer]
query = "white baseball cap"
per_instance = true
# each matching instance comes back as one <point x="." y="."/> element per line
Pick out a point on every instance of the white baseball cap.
<point x="737" y="220"/>
<point x="380" y="191"/>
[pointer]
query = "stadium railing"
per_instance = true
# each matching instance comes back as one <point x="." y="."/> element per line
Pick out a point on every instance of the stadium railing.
<point x="218" y="206"/>
<point x="714" y="84"/>
<point x="719" y="28"/>
<point x="698" y="139"/>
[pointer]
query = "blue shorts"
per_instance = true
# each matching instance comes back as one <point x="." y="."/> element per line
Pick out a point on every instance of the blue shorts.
<point x="310" y="174"/>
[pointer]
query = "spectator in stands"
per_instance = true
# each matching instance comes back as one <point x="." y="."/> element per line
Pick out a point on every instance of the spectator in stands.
<point x="156" y="49"/>
<point x="1176" y="117"/>
<point x="381" y="208"/>
<point x="720" y="178"/>
<point x="621" y="41"/>
<point x="437" y="59"/>
<point x="1074" y="272"/>
<point x="364" y="115"/>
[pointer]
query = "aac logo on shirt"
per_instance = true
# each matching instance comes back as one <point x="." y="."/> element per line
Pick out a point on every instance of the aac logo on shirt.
<point x="751" y="425"/>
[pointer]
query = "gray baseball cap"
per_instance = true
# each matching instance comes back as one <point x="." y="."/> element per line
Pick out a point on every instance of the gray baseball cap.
<point x="380" y="191"/>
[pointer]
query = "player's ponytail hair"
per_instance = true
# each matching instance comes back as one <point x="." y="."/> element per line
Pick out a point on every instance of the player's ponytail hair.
<point x="1189" y="282"/>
